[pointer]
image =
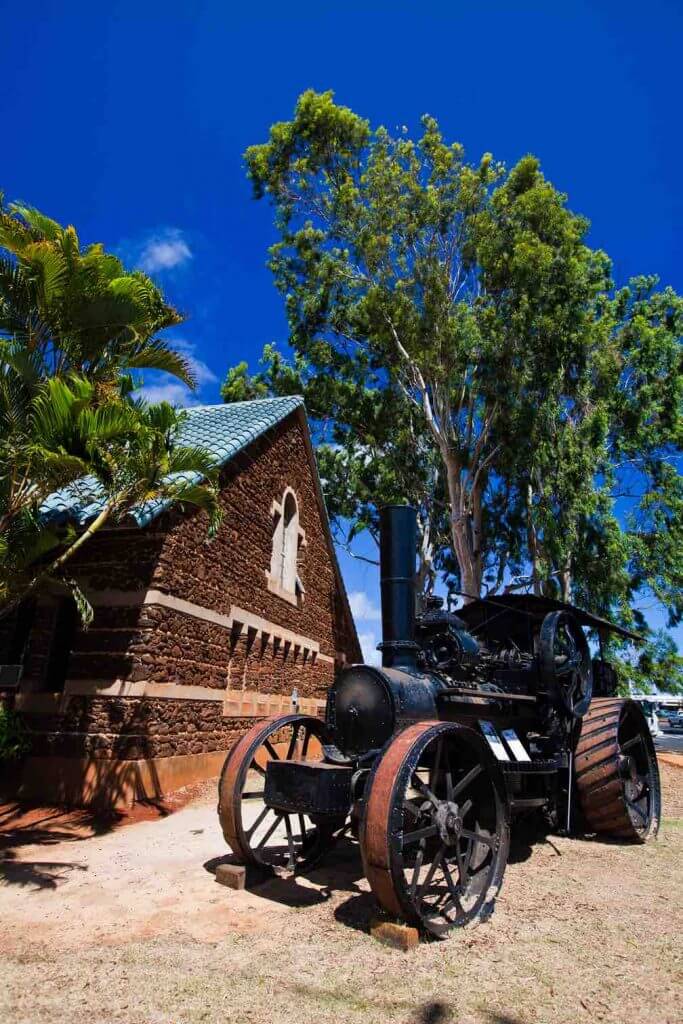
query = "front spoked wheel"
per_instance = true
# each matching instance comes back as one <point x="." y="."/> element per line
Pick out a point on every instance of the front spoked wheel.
<point x="259" y="834"/>
<point x="435" y="836"/>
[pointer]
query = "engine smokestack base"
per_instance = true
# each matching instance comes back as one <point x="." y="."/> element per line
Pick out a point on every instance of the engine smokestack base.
<point x="399" y="653"/>
<point x="397" y="550"/>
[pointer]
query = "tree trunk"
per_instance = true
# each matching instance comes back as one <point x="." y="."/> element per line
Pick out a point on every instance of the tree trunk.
<point x="425" y="563"/>
<point x="566" y="584"/>
<point x="532" y="539"/>
<point x="464" y="531"/>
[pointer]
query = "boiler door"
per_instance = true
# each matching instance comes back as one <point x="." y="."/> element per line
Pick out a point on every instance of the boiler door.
<point x="361" y="710"/>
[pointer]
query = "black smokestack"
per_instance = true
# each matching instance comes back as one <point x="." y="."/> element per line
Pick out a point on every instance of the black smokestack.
<point x="397" y="546"/>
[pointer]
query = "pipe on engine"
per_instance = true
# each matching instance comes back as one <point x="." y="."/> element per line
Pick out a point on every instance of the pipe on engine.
<point x="397" y="547"/>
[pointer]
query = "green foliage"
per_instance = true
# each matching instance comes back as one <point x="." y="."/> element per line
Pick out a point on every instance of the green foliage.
<point x="73" y="324"/>
<point x="67" y="309"/>
<point x="14" y="737"/>
<point x="465" y="289"/>
<point x="238" y="386"/>
<point x="656" y="663"/>
<point x="449" y="319"/>
<point x="116" y="455"/>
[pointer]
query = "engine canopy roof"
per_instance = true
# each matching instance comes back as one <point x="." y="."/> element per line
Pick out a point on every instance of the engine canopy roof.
<point x="503" y="614"/>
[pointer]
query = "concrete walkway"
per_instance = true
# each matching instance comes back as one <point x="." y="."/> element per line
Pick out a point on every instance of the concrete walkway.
<point x="73" y="888"/>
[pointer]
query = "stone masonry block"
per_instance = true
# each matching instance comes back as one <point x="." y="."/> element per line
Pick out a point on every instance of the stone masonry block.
<point x="232" y="875"/>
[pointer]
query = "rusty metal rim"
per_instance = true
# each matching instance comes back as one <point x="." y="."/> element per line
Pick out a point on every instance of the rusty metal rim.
<point x="234" y="774"/>
<point x="381" y="828"/>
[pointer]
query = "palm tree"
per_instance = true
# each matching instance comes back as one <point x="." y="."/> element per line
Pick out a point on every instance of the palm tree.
<point x="73" y="310"/>
<point x="73" y="325"/>
<point x="111" y="457"/>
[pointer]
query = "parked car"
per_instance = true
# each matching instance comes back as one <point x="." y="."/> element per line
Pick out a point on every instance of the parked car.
<point x="676" y="720"/>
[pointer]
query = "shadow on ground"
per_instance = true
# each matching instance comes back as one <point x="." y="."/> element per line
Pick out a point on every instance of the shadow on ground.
<point x="441" y="1013"/>
<point x="341" y="870"/>
<point x="24" y="825"/>
<point x="433" y="1013"/>
<point x="526" y="834"/>
<point x="38" y="874"/>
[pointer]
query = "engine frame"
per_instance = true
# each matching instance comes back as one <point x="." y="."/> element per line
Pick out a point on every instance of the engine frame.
<point x="472" y="720"/>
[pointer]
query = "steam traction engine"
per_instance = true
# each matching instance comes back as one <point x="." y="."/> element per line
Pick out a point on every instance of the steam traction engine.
<point x="473" y="720"/>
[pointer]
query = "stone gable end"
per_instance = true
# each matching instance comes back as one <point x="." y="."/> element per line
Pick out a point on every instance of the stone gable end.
<point x="192" y="640"/>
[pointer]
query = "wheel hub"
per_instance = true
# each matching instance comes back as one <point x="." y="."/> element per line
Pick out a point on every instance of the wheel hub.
<point x="448" y="821"/>
<point x="627" y="768"/>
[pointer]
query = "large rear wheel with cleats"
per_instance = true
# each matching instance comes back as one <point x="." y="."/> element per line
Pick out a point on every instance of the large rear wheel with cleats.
<point x="435" y="834"/>
<point x="258" y="834"/>
<point x="617" y="777"/>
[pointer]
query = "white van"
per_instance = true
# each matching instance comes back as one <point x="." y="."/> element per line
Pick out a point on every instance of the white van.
<point x="652" y="721"/>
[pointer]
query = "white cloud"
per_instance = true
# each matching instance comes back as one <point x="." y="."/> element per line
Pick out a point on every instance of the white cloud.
<point x="164" y="251"/>
<point x="172" y="391"/>
<point x="362" y="607"/>
<point x="203" y="373"/>
<point x="368" y="643"/>
<point x="162" y="387"/>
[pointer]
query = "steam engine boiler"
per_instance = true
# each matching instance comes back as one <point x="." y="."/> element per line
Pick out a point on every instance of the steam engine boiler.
<point x="472" y="720"/>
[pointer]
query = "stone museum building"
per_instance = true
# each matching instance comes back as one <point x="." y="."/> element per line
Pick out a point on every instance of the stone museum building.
<point x="193" y="640"/>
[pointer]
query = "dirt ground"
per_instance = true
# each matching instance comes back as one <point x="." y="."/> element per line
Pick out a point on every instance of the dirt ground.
<point x="121" y="920"/>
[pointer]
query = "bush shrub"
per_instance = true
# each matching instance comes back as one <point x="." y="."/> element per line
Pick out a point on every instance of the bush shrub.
<point x="14" y="736"/>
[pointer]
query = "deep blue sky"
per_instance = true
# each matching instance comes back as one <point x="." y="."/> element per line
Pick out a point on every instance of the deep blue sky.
<point x="129" y="120"/>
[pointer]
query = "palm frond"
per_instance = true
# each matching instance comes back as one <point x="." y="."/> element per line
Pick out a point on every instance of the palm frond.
<point x="49" y="268"/>
<point x="201" y="496"/>
<point x="58" y="467"/>
<point x="85" y="609"/>
<point x="71" y="248"/>
<point x="24" y="364"/>
<point x="55" y="407"/>
<point x="14" y="233"/>
<point x="161" y="416"/>
<point x="106" y="265"/>
<point x="115" y="421"/>
<point x="37" y="221"/>
<point x="192" y="458"/>
<point x="17" y="299"/>
<point x="162" y="314"/>
<point x="155" y="354"/>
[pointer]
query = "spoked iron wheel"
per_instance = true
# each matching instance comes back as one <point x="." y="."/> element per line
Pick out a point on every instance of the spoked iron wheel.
<point x="617" y="776"/>
<point x="435" y="834"/>
<point x="259" y="834"/>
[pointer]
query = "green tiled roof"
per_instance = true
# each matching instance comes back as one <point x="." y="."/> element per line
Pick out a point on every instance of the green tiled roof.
<point x="224" y="430"/>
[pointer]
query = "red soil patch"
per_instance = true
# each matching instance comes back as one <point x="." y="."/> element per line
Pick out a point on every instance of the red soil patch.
<point x="22" y="823"/>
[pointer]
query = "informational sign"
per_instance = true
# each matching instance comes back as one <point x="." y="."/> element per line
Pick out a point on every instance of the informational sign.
<point x="493" y="740"/>
<point x="515" y="745"/>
